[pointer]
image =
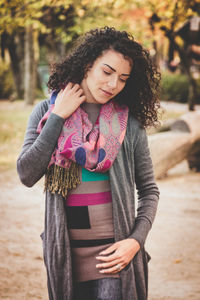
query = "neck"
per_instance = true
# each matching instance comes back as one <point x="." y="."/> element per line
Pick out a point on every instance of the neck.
<point x="88" y="95"/>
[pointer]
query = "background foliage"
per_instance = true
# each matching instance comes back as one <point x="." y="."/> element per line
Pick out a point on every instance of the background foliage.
<point x="53" y="25"/>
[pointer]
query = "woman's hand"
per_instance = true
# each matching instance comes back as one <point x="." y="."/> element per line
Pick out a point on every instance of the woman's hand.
<point x="122" y="253"/>
<point x="68" y="100"/>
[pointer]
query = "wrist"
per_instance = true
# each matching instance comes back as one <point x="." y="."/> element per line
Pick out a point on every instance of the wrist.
<point x="58" y="113"/>
<point x="135" y="243"/>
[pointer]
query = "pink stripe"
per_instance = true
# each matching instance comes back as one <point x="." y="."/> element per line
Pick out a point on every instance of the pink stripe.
<point x="88" y="199"/>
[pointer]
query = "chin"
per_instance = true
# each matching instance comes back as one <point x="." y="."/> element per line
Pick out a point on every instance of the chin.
<point x="103" y="101"/>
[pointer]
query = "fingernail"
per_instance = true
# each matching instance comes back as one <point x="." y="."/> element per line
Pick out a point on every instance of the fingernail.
<point x="97" y="266"/>
<point x="98" y="257"/>
<point x="102" y="271"/>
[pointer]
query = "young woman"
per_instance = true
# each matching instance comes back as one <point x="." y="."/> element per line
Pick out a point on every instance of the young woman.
<point x="89" y="140"/>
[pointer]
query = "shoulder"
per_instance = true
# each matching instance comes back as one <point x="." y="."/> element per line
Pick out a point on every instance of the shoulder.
<point x="134" y="127"/>
<point x="42" y="107"/>
<point x="135" y="133"/>
<point x="38" y="112"/>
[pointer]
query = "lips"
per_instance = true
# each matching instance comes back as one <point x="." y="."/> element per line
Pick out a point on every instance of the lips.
<point x="107" y="93"/>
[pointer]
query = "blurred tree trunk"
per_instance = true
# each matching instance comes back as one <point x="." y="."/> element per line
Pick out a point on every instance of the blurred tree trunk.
<point x="15" y="45"/>
<point x="193" y="88"/>
<point x="193" y="93"/>
<point x="30" y="67"/>
<point x="185" y="61"/>
<point x="154" y="18"/>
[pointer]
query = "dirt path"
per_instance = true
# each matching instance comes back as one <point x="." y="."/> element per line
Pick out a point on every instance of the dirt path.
<point x="173" y="243"/>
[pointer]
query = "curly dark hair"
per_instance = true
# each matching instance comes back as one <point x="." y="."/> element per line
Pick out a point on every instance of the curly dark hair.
<point x="140" y="93"/>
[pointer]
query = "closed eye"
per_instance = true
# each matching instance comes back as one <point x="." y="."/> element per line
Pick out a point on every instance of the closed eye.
<point x="108" y="73"/>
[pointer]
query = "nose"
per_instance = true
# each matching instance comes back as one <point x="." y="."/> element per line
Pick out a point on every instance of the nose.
<point x="112" y="83"/>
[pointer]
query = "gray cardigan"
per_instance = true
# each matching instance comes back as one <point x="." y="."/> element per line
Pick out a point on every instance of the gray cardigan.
<point x="132" y="166"/>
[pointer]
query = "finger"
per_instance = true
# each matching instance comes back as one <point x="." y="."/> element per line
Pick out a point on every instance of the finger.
<point x="108" y="264"/>
<point x="82" y="98"/>
<point x="113" y="270"/>
<point x="109" y="250"/>
<point x="108" y="258"/>
<point x="76" y="87"/>
<point x="68" y="87"/>
<point x="79" y="92"/>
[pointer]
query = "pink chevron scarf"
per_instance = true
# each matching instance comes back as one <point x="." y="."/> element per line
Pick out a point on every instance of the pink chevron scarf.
<point x="80" y="143"/>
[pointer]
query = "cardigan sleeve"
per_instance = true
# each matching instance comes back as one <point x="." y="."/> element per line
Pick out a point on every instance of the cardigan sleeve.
<point x="148" y="193"/>
<point x="38" y="148"/>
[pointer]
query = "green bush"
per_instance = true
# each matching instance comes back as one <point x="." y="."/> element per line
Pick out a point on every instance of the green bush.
<point x="175" y="87"/>
<point x="6" y="81"/>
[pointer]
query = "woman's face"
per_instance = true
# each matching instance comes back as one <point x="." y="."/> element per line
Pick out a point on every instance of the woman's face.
<point x="106" y="78"/>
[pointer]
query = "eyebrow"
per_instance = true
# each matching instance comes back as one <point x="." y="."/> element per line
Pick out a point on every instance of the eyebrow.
<point x="115" y="70"/>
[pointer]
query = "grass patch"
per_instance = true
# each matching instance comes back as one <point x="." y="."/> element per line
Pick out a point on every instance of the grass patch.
<point x="170" y="115"/>
<point x="163" y="117"/>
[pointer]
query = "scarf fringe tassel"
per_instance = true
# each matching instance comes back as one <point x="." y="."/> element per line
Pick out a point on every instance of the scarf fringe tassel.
<point x="60" y="180"/>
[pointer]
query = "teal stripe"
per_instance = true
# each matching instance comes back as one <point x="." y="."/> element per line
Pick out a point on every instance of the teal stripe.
<point x="94" y="176"/>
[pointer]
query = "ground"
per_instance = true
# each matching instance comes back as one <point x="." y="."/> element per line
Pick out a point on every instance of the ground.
<point x="173" y="242"/>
